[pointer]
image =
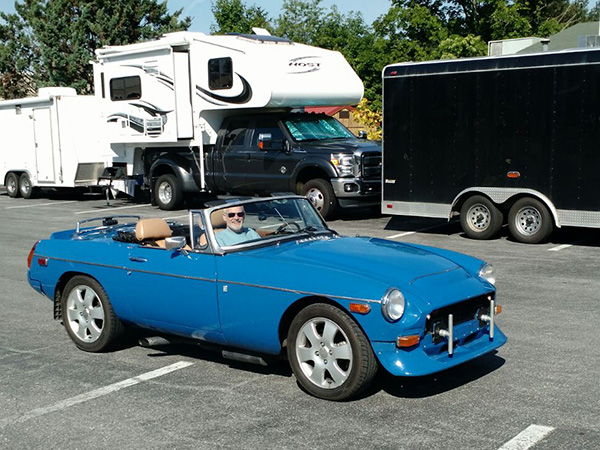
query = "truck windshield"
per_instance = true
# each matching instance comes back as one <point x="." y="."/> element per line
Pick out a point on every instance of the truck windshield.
<point x="306" y="128"/>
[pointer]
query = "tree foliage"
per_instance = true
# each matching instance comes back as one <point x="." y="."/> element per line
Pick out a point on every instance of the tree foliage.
<point x="50" y="42"/>
<point x="233" y="16"/>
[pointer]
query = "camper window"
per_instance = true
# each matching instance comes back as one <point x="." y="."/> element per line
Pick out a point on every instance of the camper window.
<point x="220" y="73"/>
<point x="126" y="88"/>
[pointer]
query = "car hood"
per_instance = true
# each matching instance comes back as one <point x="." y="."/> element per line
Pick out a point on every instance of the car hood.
<point x="342" y="145"/>
<point x="354" y="266"/>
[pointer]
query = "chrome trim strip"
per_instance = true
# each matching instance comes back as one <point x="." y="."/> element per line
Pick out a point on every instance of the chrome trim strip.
<point x="241" y="283"/>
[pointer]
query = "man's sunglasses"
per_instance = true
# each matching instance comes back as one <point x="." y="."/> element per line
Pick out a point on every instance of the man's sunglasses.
<point x="232" y="215"/>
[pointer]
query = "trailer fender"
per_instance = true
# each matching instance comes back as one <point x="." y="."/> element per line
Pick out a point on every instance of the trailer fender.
<point x="503" y="195"/>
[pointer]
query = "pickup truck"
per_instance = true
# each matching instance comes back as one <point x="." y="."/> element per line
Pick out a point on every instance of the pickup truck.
<point x="305" y="153"/>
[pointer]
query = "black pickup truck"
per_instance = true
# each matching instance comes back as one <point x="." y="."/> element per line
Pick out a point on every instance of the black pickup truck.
<point x="306" y="153"/>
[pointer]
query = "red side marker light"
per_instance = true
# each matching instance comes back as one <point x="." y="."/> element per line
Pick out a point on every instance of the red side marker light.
<point x="43" y="262"/>
<point x="393" y="72"/>
<point x="31" y="252"/>
<point x="513" y="174"/>
<point x="360" y="308"/>
<point x="389" y="206"/>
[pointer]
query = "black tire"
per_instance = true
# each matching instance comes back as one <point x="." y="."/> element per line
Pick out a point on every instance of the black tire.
<point x="25" y="188"/>
<point x="12" y="185"/>
<point x="480" y="218"/>
<point x="529" y="221"/>
<point x="88" y="316"/>
<point x="167" y="192"/>
<point x="317" y="368"/>
<point x="320" y="193"/>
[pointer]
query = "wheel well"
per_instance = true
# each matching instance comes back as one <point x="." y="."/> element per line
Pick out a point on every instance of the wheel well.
<point x="162" y="169"/>
<point x="16" y="172"/>
<point x="307" y="174"/>
<point x="296" y="307"/>
<point x="60" y="286"/>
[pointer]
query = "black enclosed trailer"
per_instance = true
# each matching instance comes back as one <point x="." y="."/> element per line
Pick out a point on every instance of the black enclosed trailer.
<point x="499" y="139"/>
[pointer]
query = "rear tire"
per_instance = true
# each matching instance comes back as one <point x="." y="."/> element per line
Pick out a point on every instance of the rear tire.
<point x="529" y="221"/>
<point x="480" y="218"/>
<point x="320" y="193"/>
<point x="167" y="192"/>
<point x="25" y="188"/>
<point x="12" y="185"/>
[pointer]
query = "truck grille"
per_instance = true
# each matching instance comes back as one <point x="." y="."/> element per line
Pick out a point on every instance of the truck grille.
<point x="371" y="166"/>
<point x="462" y="312"/>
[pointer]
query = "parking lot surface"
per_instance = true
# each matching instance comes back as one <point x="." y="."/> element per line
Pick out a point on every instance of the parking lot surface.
<point x="540" y="391"/>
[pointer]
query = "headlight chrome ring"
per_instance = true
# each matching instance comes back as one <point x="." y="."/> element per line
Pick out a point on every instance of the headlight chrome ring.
<point x="488" y="273"/>
<point x="392" y="305"/>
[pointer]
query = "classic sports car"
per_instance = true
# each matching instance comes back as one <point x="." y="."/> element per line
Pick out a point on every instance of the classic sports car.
<point x="338" y="307"/>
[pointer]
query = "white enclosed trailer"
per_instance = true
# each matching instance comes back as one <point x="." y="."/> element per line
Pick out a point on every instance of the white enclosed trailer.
<point x="54" y="140"/>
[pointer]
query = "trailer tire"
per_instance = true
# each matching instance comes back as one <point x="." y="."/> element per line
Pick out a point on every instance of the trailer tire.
<point x="529" y="221"/>
<point x="12" y="185"/>
<point x="480" y="218"/>
<point x="25" y="188"/>
<point x="167" y="192"/>
<point x="320" y="193"/>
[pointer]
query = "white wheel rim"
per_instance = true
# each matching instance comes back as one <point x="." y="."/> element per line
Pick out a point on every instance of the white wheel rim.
<point x="165" y="193"/>
<point x="479" y="217"/>
<point x="25" y="186"/>
<point x="12" y="185"/>
<point x="528" y="221"/>
<point x="316" y="197"/>
<point x="85" y="313"/>
<point x="324" y="353"/>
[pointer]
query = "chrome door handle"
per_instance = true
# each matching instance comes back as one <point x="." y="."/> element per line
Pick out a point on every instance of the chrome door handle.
<point x="137" y="259"/>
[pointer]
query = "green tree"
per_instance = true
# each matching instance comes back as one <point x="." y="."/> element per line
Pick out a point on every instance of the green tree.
<point x="56" y="39"/>
<point x="233" y="16"/>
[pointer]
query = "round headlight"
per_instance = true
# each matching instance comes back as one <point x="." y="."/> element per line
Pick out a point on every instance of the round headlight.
<point x="392" y="305"/>
<point x="488" y="273"/>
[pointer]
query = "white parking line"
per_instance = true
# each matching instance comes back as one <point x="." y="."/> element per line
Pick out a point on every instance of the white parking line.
<point x="33" y="205"/>
<point x="407" y="233"/>
<point x="109" y="209"/>
<point x="560" y="247"/>
<point x="401" y="234"/>
<point x="95" y="394"/>
<point x="527" y="438"/>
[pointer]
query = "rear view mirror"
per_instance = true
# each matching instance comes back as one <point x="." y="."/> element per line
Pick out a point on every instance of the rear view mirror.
<point x="362" y="134"/>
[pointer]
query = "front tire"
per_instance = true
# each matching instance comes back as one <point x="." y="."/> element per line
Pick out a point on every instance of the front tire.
<point x="25" y="188"/>
<point x="320" y="193"/>
<point x="480" y="218"/>
<point x="12" y="185"/>
<point x="89" y="318"/>
<point x="329" y="354"/>
<point x="529" y="221"/>
<point x="167" y="192"/>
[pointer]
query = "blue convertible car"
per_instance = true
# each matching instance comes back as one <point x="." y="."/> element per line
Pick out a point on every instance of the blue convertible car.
<point x="267" y="278"/>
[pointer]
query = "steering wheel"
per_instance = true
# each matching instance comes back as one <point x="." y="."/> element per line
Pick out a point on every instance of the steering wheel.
<point x="285" y="225"/>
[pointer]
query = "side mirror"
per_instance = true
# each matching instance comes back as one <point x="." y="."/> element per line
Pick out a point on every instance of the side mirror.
<point x="362" y="134"/>
<point x="264" y="141"/>
<point x="175" y="242"/>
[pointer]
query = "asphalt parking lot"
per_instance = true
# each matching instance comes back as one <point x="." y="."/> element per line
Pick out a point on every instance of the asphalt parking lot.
<point x="540" y="391"/>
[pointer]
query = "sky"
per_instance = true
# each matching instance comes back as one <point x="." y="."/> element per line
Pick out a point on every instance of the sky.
<point x="200" y="10"/>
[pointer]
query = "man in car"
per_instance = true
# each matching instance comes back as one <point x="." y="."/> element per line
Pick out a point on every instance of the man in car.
<point x="235" y="233"/>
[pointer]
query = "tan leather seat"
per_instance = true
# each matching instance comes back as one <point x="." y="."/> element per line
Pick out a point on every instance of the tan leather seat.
<point x="153" y="232"/>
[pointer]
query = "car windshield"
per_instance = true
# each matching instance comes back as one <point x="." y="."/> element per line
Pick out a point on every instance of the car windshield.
<point x="307" y="128"/>
<point x="266" y="220"/>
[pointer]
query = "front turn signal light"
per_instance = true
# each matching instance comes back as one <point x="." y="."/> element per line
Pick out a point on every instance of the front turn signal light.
<point x="498" y="309"/>
<point x="360" y="308"/>
<point x="408" y="341"/>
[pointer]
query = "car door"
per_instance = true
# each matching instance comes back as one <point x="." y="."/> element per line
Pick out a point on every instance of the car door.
<point x="174" y="291"/>
<point x="231" y="156"/>
<point x="269" y="169"/>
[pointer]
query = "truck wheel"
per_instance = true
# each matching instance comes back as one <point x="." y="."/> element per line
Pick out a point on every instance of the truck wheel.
<point x="480" y="218"/>
<point x="529" y="221"/>
<point x="12" y="185"/>
<point x="167" y="193"/>
<point x="25" y="187"/>
<point x="320" y="193"/>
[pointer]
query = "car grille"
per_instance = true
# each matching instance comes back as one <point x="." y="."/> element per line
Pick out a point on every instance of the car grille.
<point x="462" y="312"/>
<point x="371" y="165"/>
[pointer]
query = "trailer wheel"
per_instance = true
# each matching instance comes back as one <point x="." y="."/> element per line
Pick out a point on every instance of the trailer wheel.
<point x="480" y="218"/>
<point x="12" y="185"/>
<point x="25" y="187"/>
<point x="167" y="192"/>
<point x="529" y="221"/>
<point x="320" y="193"/>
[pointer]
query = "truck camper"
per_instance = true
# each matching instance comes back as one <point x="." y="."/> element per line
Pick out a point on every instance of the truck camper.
<point x="191" y="113"/>
<point x="53" y="140"/>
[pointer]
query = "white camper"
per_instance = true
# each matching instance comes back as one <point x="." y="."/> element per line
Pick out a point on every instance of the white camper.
<point x="52" y="140"/>
<point x="176" y="91"/>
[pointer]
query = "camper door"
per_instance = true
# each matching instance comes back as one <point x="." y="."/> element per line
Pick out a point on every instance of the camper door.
<point x="148" y="97"/>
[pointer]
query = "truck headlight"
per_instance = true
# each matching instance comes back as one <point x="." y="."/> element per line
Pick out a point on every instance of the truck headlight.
<point x="392" y="305"/>
<point x="343" y="163"/>
<point x="488" y="273"/>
